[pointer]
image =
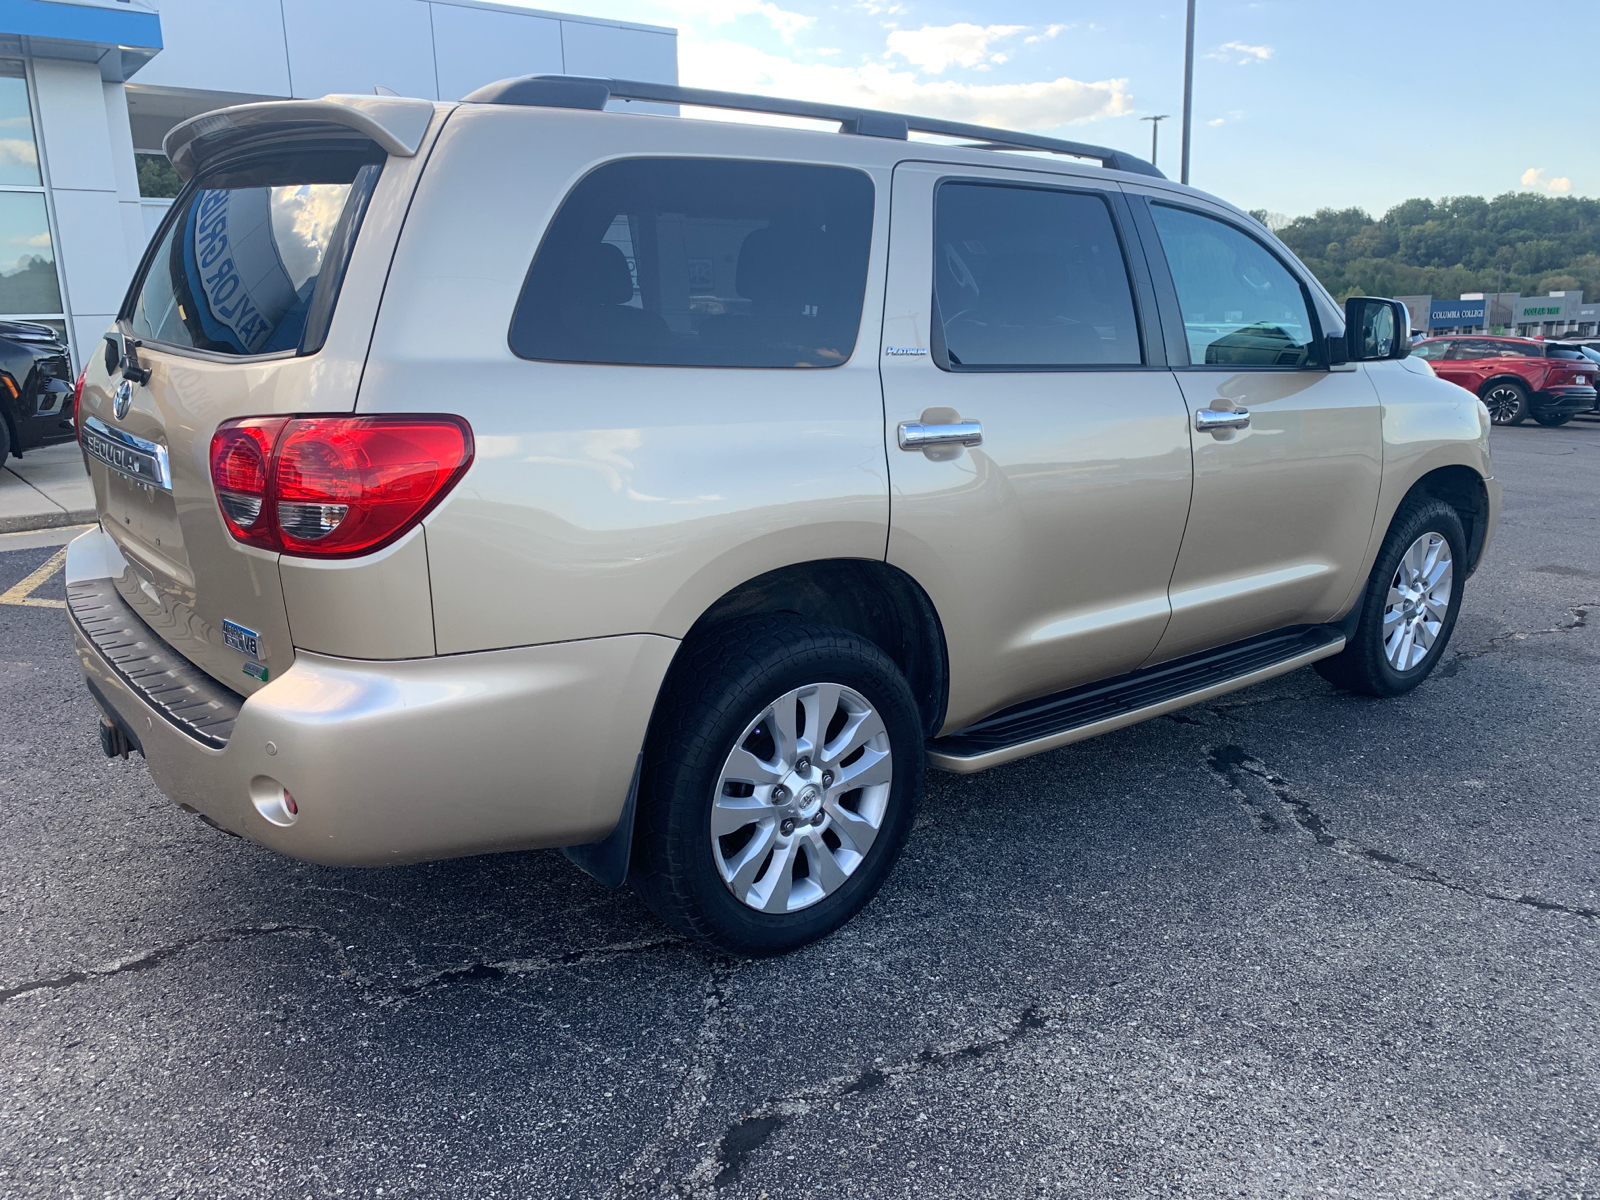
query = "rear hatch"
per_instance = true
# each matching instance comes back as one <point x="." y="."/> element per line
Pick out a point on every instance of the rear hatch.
<point x="255" y="298"/>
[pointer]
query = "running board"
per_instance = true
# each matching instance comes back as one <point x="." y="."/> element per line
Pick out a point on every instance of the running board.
<point x="1086" y="712"/>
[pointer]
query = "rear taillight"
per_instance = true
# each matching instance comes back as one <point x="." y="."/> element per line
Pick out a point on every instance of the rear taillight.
<point x="241" y="460"/>
<point x="77" y="402"/>
<point x="331" y="487"/>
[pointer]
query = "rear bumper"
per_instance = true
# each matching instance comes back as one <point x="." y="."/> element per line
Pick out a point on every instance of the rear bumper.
<point x="405" y="761"/>
<point x="1565" y="399"/>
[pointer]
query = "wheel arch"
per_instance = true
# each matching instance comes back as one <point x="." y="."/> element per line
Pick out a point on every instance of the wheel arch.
<point x="10" y="416"/>
<point x="868" y="597"/>
<point x="1464" y="490"/>
<point x="1507" y="377"/>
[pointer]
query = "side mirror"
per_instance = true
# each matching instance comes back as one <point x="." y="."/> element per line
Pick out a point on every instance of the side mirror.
<point x="1376" y="329"/>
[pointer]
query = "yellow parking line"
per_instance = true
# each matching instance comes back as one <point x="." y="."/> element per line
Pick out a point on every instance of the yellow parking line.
<point x="22" y="592"/>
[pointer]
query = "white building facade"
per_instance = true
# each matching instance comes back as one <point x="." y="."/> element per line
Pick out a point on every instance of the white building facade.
<point x="85" y="84"/>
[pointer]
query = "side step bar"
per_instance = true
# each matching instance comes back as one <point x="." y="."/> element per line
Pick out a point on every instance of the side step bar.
<point x="1086" y="712"/>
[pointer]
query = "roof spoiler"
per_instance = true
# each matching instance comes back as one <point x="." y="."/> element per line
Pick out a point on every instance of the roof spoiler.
<point x="395" y="123"/>
<point x="574" y="91"/>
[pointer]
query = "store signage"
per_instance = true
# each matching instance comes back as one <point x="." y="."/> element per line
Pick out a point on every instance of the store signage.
<point x="1448" y="314"/>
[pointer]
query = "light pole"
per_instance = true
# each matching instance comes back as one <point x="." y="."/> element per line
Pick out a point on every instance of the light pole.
<point x="1155" y="126"/>
<point x="1188" y="93"/>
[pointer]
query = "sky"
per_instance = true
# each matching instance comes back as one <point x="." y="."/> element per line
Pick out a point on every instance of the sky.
<point x="1298" y="105"/>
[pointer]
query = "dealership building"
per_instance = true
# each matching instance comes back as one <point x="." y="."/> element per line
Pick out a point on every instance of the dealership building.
<point x="1559" y="314"/>
<point x="85" y="85"/>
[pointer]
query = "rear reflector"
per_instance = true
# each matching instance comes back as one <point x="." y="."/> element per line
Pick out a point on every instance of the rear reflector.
<point x="333" y="487"/>
<point x="77" y="402"/>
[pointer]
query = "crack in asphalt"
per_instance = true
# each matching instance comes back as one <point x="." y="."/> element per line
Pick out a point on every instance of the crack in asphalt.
<point x="646" y="1173"/>
<point x="1580" y="619"/>
<point x="151" y="959"/>
<point x="744" y="1137"/>
<point x="504" y="968"/>
<point x="1228" y="761"/>
<point x="382" y="997"/>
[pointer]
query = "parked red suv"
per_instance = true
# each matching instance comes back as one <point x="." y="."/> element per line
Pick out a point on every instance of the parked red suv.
<point x="1515" y="377"/>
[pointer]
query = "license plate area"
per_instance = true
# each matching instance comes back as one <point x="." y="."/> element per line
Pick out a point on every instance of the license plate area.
<point x="134" y="458"/>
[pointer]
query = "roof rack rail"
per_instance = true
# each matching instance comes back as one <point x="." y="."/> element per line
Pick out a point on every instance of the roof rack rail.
<point x="577" y="91"/>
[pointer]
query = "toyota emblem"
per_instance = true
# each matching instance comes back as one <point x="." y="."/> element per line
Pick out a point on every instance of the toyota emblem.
<point x="123" y="399"/>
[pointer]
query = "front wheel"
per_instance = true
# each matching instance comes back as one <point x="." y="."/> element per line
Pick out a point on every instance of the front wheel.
<point x="781" y="776"/>
<point x="1507" y="403"/>
<point x="1409" y="608"/>
<point x="1552" y="419"/>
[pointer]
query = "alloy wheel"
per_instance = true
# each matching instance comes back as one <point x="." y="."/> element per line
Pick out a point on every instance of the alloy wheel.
<point x="1504" y="403"/>
<point x="801" y="798"/>
<point x="1419" y="601"/>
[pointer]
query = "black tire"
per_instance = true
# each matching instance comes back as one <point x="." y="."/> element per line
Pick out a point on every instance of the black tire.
<point x="1551" y="420"/>
<point x="1363" y="666"/>
<point x="719" y="685"/>
<point x="1507" y="402"/>
<point x="5" y="440"/>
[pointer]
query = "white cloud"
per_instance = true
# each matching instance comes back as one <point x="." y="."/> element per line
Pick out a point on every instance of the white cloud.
<point x="1218" y="121"/>
<point x="1534" y="177"/>
<point x="1046" y="35"/>
<point x="721" y="12"/>
<point x="1243" y="55"/>
<point x="935" y="47"/>
<point x="1233" y="116"/>
<point x="1042" y="105"/>
<point x="18" y="152"/>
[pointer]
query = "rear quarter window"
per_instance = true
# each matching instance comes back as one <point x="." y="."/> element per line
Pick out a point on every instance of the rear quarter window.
<point x="250" y="260"/>
<point x="701" y="263"/>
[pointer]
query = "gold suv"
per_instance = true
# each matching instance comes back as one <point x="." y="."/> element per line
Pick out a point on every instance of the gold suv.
<point x="517" y="473"/>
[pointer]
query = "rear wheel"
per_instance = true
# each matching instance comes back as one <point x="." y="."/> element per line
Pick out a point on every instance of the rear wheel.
<point x="1409" y="608"/>
<point x="781" y="775"/>
<point x="1552" y="419"/>
<point x="5" y="440"/>
<point x="1507" y="403"/>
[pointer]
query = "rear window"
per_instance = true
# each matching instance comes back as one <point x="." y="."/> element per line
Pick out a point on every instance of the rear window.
<point x="701" y="263"/>
<point x="250" y="260"/>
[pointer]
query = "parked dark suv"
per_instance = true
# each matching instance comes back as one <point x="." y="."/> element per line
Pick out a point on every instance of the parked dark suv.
<point x="35" y="388"/>
<point x="1516" y="378"/>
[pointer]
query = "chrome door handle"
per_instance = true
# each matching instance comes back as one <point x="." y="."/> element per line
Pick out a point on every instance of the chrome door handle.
<point x="914" y="435"/>
<point x="1209" y="420"/>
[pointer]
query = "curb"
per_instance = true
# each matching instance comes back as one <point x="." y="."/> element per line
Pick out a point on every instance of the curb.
<point x="54" y="520"/>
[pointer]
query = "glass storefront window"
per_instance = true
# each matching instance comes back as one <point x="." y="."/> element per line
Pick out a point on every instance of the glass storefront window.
<point x="19" y="152"/>
<point x="27" y="259"/>
<point x="30" y="288"/>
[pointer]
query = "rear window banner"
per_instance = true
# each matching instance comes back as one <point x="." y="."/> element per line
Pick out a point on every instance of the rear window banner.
<point x="238" y="267"/>
<point x="231" y="242"/>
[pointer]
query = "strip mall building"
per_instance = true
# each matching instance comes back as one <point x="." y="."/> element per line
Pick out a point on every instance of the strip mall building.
<point x="1560" y="314"/>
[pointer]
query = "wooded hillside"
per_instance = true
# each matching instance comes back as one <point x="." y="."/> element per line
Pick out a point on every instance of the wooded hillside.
<point x="1518" y="242"/>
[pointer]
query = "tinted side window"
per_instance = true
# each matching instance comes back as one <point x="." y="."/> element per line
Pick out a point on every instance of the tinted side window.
<point x="240" y="268"/>
<point x="1431" y="351"/>
<point x="1028" y="277"/>
<point x="1241" y="306"/>
<point x="701" y="263"/>
<point x="1466" y="349"/>
<point x="1513" y="349"/>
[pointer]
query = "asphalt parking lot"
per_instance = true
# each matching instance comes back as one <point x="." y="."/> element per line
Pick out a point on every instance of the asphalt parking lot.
<point x="1292" y="943"/>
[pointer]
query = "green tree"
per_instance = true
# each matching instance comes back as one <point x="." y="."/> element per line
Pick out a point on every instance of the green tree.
<point x="1518" y="242"/>
<point x="157" y="179"/>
